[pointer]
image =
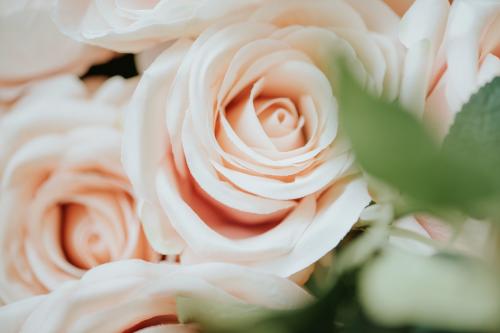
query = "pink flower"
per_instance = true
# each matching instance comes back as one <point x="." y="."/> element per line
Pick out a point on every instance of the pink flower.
<point x="232" y="141"/>
<point x="65" y="204"/>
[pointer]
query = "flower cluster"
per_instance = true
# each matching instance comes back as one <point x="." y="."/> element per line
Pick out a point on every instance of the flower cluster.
<point x="221" y="172"/>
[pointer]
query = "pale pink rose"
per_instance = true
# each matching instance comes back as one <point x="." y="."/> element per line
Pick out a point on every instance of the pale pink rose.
<point x="65" y="204"/>
<point x="135" y="296"/>
<point x="134" y="25"/>
<point x="466" y="59"/>
<point x="232" y="141"/>
<point x="469" y="58"/>
<point x="33" y="48"/>
<point x="459" y="48"/>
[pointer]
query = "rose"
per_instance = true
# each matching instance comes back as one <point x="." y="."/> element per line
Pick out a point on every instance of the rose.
<point x="459" y="45"/>
<point x="132" y="26"/>
<point x="466" y="56"/>
<point x="65" y="204"/>
<point x="469" y="58"/>
<point x="141" y="297"/>
<point x="250" y="167"/>
<point x="33" y="48"/>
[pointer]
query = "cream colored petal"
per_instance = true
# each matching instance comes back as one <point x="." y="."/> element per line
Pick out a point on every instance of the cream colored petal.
<point x="377" y="16"/>
<point x="338" y="209"/>
<point x="323" y="13"/>
<point x="145" y="137"/>
<point x="206" y="177"/>
<point x="126" y="27"/>
<point x="422" y="29"/>
<point x="199" y="236"/>
<point x="48" y="116"/>
<point x="489" y="69"/>
<point x="14" y="315"/>
<point x="159" y="231"/>
<point x="149" y="291"/>
<point x="301" y="186"/>
<point x="29" y="37"/>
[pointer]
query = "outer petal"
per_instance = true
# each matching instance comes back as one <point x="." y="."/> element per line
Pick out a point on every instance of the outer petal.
<point x="145" y="138"/>
<point x="33" y="48"/>
<point x="57" y="116"/>
<point x="422" y="30"/>
<point x="122" y="27"/>
<point x="338" y="209"/>
<point x="133" y="292"/>
<point x="469" y="21"/>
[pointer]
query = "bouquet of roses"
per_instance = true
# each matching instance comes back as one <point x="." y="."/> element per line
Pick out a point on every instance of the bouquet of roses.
<point x="250" y="166"/>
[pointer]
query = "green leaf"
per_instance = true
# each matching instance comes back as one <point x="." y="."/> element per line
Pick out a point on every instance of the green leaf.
<point x="476" y="129"/>
<point x="219" y="313"/>
<point x="391" y="145"/>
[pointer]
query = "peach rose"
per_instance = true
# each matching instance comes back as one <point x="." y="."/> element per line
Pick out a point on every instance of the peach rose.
<point x="65" y="204"/>
<point x="33" y="48"/>
<point x="132" y="26"/>
<point x="469" y="58"/>
<point x="466" y="53"/>
<point x="232" y="141"/>
<point x="144" y="297"/>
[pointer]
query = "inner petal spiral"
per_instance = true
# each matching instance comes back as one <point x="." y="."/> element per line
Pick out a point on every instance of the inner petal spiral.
<point x="281" y="122"/>
<point x="86" y="241"/>
<point x="266" y="123"/>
